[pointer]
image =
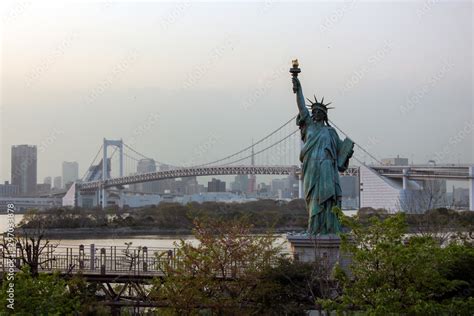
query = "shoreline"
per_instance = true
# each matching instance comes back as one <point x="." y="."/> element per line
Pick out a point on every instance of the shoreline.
<point x="75" y="233"/>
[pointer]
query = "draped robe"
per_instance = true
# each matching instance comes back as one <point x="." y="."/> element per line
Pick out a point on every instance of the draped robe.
<point x="323" y="155"/>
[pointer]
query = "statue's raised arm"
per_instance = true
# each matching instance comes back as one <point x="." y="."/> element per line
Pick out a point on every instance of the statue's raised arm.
<point x="303" y="110"/>
<point x="304" y="115"/>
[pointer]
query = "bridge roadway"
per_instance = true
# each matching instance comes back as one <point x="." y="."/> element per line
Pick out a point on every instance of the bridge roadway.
<point x="426" y="172"/>
<point x="415" y="172"/>
<point x="196" y="172"/>
<point x="188" y="172"/>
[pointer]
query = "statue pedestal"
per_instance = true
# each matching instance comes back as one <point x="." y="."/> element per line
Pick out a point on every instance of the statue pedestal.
<point x="323" y="249"/>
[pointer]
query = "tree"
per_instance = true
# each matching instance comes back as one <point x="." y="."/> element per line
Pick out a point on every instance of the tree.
<point x="31" y="246"/>
<point x="41" y="295"/>
<point x="220" y="273"/>
<point x="430" y="195"/>
<point x="290" y="288"/>
<point x="392" y="273"/>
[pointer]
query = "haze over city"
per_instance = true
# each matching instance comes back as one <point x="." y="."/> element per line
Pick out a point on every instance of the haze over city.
<point x="170" y="76"/>
<point x="236" y="157"/>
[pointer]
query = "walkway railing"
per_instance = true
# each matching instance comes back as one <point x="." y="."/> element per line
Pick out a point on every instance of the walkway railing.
<point x="106" y="260"/>
<point x="94" y="260"/>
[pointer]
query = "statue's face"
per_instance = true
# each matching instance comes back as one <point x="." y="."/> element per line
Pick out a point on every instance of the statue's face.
<point x="319" y="115"/>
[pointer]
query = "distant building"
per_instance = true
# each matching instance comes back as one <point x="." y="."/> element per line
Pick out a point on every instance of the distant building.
<point x="70" y="171"/>
<point x="26" y="203"/>
<point x="145" y="166"/>
<point x="43" y="188"/>
<point x="24" y="168"/>
<point x="47" y="180"/>
<point x="57" y="183"/>
<point x="461" y="197"/>
<point x="349" y="186"/>
<point x="8" y="190"/>
<point x="395" y="161"/>
<point x="240" y="184"/>
<point x="286" y="188"/>
<point x="216" y="185"/>
<point x="140" y="200"/>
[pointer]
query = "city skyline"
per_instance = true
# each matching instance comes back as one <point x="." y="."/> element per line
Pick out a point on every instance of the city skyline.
<point x="206" y="86"/>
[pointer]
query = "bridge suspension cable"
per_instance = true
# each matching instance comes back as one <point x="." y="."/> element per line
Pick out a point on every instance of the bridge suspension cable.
<point x="142" y="155"/>
<point x="249" y="147"/>
<point x="356" y="144"/>
<point x="92" y="163"/>
<point x="264" y="149"/>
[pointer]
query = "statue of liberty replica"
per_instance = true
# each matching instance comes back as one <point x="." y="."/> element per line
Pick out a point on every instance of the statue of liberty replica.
<point x="323" y="156"/>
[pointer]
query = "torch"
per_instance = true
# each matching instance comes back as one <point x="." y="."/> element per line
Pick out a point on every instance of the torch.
<point x="295" y="70"/>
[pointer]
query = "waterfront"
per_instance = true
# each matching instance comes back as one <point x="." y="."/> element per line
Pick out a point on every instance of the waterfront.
<point x="151" y="241"/>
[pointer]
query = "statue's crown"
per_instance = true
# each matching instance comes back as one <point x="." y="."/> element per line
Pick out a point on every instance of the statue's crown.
<point x="319" y="105"/>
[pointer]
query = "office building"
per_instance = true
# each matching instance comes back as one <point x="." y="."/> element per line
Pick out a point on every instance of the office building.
<point x="70" y="171"/>
<point x="24" y="168"/>
<point x="43" y="188"/>
<point x="57" y="183"/>
<point x="216" y="185"/>
<point x="8" y="189"/>
<point x="240" y="184"/>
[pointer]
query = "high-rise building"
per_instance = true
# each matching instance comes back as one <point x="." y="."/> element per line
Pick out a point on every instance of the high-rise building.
<point x="216" y="185"/>
<point x="57" y="183"/>
<point x="145" y="166"/>
<point x="240" y="184"/>
<point x="24" y="168"/>
<point x="47" y="180"/>
<point x="70" y="171"/>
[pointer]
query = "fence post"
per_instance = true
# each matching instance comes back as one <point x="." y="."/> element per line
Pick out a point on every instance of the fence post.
<point x="81" y="257"/>
<point x="145" y="259"/>
<point x="92" y="257"/>
<point x="135" y="257"/>
<point x="102" y="260"/>
<point x="18" y="246"/>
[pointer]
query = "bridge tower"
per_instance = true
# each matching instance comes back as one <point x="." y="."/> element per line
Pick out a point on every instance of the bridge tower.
<point x="105" y="164"/>
<point x="471" y="188"/>
<point x="252" y="179"/>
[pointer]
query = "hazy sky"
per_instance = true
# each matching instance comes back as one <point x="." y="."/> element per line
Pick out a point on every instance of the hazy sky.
<point x="398" y="73"/>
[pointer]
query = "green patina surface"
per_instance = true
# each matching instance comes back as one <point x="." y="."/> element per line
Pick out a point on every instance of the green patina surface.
<point x="323" y="156"/>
